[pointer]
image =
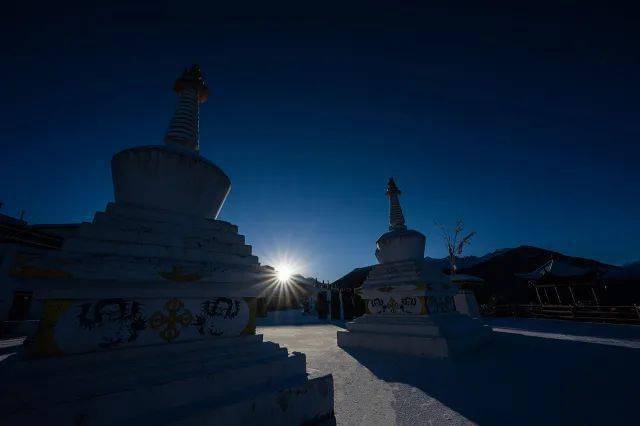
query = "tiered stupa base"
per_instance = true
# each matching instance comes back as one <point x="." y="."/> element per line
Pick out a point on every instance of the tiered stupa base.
<point x="411" y="310"/>
<point x="148" y="317"/>
<point x="442" y="336"/>
<point x="228" y="381"/>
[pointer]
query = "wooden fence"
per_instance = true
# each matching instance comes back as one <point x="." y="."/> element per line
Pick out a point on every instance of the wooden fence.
<point x="610" y="314"/>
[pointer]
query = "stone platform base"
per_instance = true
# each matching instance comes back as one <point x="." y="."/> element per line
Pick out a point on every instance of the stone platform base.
<point x="229" y="381"/>
<point x="442" y="336"/>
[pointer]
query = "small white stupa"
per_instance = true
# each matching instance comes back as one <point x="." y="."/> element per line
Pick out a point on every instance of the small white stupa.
<point x="148" y="312"/>
<point x="410" y="304"/>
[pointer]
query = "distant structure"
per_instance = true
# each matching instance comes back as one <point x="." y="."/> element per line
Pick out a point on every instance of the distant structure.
<point x="148" y="313"/>
<point x="560" y="283"/>
<point x="409" y="303"/>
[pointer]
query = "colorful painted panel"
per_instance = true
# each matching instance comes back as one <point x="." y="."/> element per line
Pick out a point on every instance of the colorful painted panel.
<point x="396" y="305"/>
<point x="88" y="325"/>
<point x="441" y="304"/>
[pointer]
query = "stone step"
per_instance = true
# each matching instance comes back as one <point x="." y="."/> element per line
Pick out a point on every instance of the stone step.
<point x="106" y="247"/>
<point x="454" y="339"/>
<point x="141" y="398"/>
<point x="453" y="324"/>
<point x="127" y="268"/>
<point x="415" y="329"/>
<point x="84" y="384"/>
<point x="110" y="228"/>
<point x="138" y="213"/>
<point x="306" y="403"/>
<point x="113" y="367"/>
<point x="435" y="347"/>
<point x="40" y="366"/>
<point x="166" y="221"/>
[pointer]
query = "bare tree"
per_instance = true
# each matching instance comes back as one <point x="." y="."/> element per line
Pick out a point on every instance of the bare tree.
<point x="455" y="242"/>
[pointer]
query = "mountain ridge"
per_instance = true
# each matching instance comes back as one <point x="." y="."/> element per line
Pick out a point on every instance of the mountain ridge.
<point x="498" y="269"/>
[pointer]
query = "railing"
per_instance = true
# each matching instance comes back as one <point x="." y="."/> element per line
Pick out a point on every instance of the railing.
<point x="611" y="314"/>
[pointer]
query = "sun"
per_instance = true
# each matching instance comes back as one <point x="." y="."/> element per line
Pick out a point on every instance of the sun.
<point x="284" y="272"/>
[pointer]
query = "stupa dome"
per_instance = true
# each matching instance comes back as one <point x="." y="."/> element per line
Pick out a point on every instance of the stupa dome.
<point x="169" y="178"/>
<point x="398" y="246"/>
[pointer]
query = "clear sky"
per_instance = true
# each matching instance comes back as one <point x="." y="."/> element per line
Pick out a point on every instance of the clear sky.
<point x="523" y="121"/>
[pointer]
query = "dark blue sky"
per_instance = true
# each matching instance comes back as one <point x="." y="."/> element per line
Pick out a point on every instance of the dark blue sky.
<point x="523" y="121"/>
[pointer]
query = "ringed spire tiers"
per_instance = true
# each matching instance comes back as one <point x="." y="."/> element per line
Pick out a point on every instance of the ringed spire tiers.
<point x="399" y="243"/>
<point x="184" y="128"/>
<point x="396" y="218"/>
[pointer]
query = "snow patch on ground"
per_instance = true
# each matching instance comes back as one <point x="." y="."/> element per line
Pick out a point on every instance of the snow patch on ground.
<point x="533" y="372"/>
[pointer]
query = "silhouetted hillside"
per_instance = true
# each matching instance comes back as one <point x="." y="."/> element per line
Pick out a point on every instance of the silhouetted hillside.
<point x="498" y="269"/>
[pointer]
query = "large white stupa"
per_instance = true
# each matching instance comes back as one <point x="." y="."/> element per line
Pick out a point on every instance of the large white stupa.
<point x="148" y="312"/>
<point x="410" y="303"/>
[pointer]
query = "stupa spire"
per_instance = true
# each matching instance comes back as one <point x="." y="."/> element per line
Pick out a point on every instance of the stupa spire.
<point x="184" y="126"/>
<point x="396" y="218"/>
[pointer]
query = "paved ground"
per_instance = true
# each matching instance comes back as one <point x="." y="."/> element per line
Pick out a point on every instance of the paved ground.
<point x="10" y="346"/>
<point x="534" y="372"/>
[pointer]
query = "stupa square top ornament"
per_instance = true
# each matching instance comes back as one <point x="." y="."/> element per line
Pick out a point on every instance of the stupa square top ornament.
<point x="410" y="303"/>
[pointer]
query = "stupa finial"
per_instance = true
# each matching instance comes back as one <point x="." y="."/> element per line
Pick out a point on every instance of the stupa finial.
<point x="396" y="218"/>
<point x="184" y="128"/>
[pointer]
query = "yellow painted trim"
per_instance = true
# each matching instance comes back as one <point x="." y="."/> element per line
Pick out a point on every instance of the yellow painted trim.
<point x="29" y="271"/>
<point x="44" y="342"/>
<point x="423" y="286"/>
<point x="178" y="274"/>
<point x="424" y="310"/>
<point x="251" y="324"/>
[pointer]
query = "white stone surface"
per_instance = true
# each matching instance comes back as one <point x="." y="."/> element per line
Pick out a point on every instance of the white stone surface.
<point x="169" y="178"/>
<point x="548" y="378"/>
<point x="398" y="246"/>
<point x="438" y="336"/>
<point x="411" y="310"/>
<point x="235" y="381"/>
<point x="143" y="246"/>
<point x="410" y="303"/>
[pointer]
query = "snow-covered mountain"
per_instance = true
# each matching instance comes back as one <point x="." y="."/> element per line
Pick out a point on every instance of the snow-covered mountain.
<point x="466" y="261"/>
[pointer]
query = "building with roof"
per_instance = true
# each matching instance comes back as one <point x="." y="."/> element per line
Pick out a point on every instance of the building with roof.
<point x="560" y="283"/>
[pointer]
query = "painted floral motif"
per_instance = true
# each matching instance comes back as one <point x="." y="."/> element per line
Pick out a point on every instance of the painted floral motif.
<point x="117" y="321"/>
<point x="406" y="305"/>
<point x="441" y="304"/>
<point x="219" y="308"/>
<point x="171" y="320"/>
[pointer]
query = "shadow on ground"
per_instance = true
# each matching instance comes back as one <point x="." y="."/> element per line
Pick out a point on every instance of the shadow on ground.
<point x="524" y="380"/>
<point x="294" y="317"/>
